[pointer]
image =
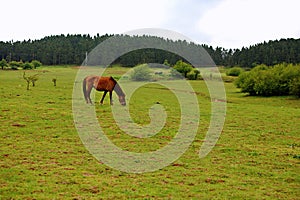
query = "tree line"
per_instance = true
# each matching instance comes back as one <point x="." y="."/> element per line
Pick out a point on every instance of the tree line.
<point x="72" y="49"/>
<point x="51" y="50"/>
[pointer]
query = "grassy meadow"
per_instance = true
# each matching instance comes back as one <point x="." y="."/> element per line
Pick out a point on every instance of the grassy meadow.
<point x="42" y="157"/>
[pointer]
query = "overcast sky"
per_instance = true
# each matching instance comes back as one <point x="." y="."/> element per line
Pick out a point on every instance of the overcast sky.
<point x="225" y="23"/>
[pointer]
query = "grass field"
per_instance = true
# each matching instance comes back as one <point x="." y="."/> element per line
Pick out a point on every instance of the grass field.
<point x="42" y="156"/>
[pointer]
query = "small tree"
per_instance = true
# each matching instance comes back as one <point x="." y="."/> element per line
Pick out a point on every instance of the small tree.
<point x="33" y="79"/>
<point x="54" y="81"/>
<point x="27" y="79"/>
<point x="183" y="68"/>
<point x="30" y="79"/>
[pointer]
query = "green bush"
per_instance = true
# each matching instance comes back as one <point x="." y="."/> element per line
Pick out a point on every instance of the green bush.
<point x="245" y="81"/>
<point x="36" y="64"/>
<point x="281" y="79"/>
<point x="166" y="63"/>
<point x="289" y="74"/>
<point x="27" y="65"/>
<point x="175" y="74"/>
<point x="294" y="87"/>
<point x="193" y="74"/>
<point x="3" y="64"/>
<point x="228" y="79"/>
<point x="183" y="68"/>
<point x="19" y="64"/>
<point x="141" y="73"/>
<point x="234" y="71"/>
<point x="266" y="83"/>
<point x="15" y="65"/>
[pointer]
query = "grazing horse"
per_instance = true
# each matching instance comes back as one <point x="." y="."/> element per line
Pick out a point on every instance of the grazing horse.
<point x="106" y="84"/>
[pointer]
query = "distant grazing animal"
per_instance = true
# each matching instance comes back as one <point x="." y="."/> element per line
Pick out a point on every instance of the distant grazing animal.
<point x="101" y="83"/>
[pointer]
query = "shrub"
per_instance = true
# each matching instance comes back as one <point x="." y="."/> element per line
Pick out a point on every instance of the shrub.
<point x="166" y="63"/>
<point x="175" y="74"/>
<point x="294" y="87"/>
<point x="14" y="64"/>
<point x="281" y="79"/>
<point x="234" y="71"/>
<point x="193" y="74"/>
<point x="27" y="65"/>
<point x="228" y="79"/>
<point x="266" y="83"/>
<point x="36" y="64"/>
<point x="287" y="73"/>
<point x="3" y="63"/>
<point x="245" y="81"/>
<point x="197" y="72"/>
<point x="183" y="68"/>
<point x="141" y="73"/>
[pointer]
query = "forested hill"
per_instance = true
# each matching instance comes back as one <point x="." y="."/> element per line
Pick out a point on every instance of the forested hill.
<point x="269" y="53"/>
<point x="71" y="49"/>
<point x="51" y="50"/>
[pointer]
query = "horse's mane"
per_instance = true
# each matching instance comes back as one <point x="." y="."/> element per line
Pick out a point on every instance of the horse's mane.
<point x="117" y="88"/>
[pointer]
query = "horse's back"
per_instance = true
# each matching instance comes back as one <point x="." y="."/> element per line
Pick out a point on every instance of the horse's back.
<point x="103" y="83"/>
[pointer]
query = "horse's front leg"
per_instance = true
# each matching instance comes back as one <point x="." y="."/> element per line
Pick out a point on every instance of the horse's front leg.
<point x="101" y="101"/>
<point x="110" y="98"/>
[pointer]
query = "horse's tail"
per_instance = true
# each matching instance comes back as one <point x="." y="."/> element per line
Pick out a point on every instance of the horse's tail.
<point x="84" y="89"/>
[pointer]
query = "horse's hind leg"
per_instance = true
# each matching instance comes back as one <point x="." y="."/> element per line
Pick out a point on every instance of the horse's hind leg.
<point x="110" y="98"/>
<point x="101" y="101"/>
<point x="88" y="93"/>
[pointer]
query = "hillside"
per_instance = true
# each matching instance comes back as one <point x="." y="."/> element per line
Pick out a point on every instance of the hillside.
<point x="72" y="49"/>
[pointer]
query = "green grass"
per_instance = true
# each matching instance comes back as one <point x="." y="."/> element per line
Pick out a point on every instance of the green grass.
<point x="42" y="156"/>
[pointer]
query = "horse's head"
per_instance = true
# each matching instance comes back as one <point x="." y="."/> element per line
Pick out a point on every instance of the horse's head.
<point x="122" y="100"/>
<point x="120" y="94"/>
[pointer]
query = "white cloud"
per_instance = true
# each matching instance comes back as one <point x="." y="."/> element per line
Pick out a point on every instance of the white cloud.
<point x="237" y="23"/>
<point x="35" y="18"/>
<point x="185" y="15"/>
<point x="226" y="23"/>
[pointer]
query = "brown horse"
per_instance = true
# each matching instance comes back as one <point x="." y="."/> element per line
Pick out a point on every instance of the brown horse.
<point x="106" y="84"/>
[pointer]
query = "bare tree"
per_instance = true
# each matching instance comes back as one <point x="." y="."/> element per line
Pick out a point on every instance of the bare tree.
<point x="30" y="79"/>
